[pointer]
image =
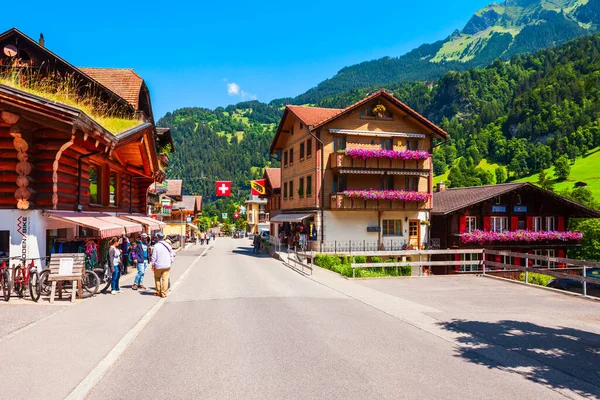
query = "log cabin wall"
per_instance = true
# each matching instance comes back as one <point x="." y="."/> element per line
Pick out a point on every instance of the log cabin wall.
<point x="8" y="174"/>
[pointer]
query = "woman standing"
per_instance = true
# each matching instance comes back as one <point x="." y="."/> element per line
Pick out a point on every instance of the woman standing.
<point x="114" y="260"/>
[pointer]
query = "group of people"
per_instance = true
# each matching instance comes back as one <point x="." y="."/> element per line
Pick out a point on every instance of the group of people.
<point x="205" y="237"/>
<point x="144" y="251"/>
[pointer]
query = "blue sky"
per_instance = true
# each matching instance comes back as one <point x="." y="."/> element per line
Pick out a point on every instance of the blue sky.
<point x="188" y="52"/>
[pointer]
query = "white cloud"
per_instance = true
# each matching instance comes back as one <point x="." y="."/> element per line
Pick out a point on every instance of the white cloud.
<point x="233" y="89"/>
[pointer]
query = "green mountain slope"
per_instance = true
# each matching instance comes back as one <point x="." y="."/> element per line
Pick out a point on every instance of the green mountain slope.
<point x="500" y="30"/>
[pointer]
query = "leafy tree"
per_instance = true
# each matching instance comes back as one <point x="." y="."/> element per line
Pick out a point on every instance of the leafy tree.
<point x="590" y="244"/>
<point x="544" y="181"/>
<point x="501" y="175"/>
<point x="226" y="228"/>
<point x="562" y="168"/>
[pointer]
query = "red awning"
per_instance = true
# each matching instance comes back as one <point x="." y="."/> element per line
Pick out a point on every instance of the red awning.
<point x="130" y="227"/>
<point x="152" y="224"/>
<point x="90" y="220"/>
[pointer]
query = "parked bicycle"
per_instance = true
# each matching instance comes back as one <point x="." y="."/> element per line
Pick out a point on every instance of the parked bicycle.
<point x="26" y="275"/>
<point x="5" y="281"/>
<point x="90" y="283"/>
<point x="104" y="276"/>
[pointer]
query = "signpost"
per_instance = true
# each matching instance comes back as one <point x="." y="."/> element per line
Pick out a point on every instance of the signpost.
<point x="66" y="267"/>
<point x="224" y="215"/>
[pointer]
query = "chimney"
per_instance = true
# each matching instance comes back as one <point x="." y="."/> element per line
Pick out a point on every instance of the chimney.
<point x="42" y="41"/>
<point x="441" y="186"/>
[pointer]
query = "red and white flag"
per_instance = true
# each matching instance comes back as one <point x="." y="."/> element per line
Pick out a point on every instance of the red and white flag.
<point x="223" y="188"/>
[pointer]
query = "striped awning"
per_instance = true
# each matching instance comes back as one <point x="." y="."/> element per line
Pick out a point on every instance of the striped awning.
<point x="130" y="226"/>
<point x="92" y="221"/>
<point x="151" y="223"/>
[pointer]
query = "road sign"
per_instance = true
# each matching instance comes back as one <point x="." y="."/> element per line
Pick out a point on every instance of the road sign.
<point x="223" y="188"/>
<point x="224" y="215"/>
<point x="188" y="219"/>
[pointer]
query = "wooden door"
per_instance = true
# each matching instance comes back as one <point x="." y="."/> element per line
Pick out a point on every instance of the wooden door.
<point x="414" y="233"/>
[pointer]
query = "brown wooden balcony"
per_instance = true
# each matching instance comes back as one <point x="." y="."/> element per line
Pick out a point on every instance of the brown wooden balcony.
<point x="341" y="202"/>
<point x="342" y="163"/>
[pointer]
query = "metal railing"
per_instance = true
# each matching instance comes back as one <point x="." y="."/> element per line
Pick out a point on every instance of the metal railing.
<point x="355" y="246"/>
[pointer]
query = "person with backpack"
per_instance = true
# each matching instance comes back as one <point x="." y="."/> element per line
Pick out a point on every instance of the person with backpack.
<point x="125" y="247"/>
<point x="161" y="261"/>
<point x="142" y="255"/>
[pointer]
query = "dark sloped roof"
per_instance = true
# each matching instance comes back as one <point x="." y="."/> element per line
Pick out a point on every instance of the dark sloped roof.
<point x="123" y="81"/>
<point x="174" y="187"/>
<point x="452" y="200"/>
<point x="190" y="203"/>
<point x="274" y="177"/>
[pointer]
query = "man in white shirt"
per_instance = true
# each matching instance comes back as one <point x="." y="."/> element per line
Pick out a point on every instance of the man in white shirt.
<point x="161" y="261"/>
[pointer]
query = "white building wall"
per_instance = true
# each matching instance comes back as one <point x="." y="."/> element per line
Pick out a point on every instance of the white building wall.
<point x="342" y="226"/>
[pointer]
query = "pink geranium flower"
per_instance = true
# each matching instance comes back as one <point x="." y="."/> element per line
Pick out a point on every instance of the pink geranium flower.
<point x="403" y="195"/>
<point x="364" y="154"/>
<point x="481" y="237"/>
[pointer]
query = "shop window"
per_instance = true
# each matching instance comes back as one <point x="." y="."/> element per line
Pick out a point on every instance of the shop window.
<point x="94" y="184"/>
<point x="499" y="224"/>
<point x="291" y="189"/>
<point x="412" y="145"/>
<point x="285" y="190"/>
<point x="339" y="143"/>
<point x="392" y="227"/>
<point x="114" y="185"/>
<point x="4" y="243"/>
<point x="285" y="159"/>
<point x="386" y="144"/>
<point x="301" y="187"/>
<point x="471" y="224"/>
<point x="301" y="151"/>
<point x="291" y="156"/>
<point x="411" y="183"/>
<point x="309" y="148"/>
<point x="308" y="186"/>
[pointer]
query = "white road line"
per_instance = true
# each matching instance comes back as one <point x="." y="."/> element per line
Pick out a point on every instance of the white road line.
<point x="88" y="383"/>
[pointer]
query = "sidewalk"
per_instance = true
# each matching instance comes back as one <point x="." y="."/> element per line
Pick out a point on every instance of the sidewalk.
<point x="60" y="349"/>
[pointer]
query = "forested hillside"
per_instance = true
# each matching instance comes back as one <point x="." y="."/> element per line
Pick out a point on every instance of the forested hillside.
<point x="224" y="144"/>
<point x="524" y="114"/>
<point x="500" y="30"/>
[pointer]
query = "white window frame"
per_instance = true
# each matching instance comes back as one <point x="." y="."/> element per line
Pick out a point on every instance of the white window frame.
<point x="537" y="224"/>
<point x="550" y="223"/>
<point x="471" y="267"/>
<point x="499" y="224"/>
<point x="471" y="224"/>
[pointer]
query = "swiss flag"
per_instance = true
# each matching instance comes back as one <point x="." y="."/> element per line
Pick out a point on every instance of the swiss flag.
<point x="223" y="188"/>
<point x="236" y="215"/>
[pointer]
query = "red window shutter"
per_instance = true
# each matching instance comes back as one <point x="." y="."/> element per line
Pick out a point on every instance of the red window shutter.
<point x="487" y="223"/>
<point x="561" y="254"/>
<point x="561" y="224"/>
<point x="462" y="224"/>
<point x="517" y="261"/>
<point x="529" y="223"/>
<point x="530" y="264"/>
<point x="498" y="258"/>
<point x="514" y="223"/>
<point x="457" y="258"/>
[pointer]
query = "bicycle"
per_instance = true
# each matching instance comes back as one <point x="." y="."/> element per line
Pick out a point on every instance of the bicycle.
<point x="5" y="281"/>
<point x="104" y="276"/>
<point x="90" y="283"/>
<point x="26" y="276"/>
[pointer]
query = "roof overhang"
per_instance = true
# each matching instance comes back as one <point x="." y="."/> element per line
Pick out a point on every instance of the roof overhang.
<point x="290" y="217"/>
<point x="355" y="132"/>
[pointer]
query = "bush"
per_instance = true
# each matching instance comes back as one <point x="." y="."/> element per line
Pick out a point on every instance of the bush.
<point x="376" y="260"/>
<point x="343" y="266"/>
<point x="360" y="260"/>
<point x="537" y="279"/>
<point x="326" y="261"/>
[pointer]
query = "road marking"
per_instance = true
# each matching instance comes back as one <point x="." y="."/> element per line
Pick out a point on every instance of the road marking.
<point x="96" y="375"/>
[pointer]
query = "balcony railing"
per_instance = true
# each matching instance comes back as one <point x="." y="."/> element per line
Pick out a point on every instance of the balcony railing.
<point x="341" y="202"/>
<point x="346" y="164"/>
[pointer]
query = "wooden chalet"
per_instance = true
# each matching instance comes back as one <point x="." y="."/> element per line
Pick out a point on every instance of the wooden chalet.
<point x="519" y="217"/>
<point x="322" y="180"/>
<point x="63" y="172"/>
<point x="272" y="177"/>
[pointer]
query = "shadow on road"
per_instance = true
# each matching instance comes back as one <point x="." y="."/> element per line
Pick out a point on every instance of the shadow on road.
<point x="571" y="351"/>
<point x="249" y="251"/>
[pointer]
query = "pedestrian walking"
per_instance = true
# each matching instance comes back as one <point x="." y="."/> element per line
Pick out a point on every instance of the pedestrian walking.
<point x="202" y="238"/>
<point x="214" y="236"/>
<point x="125" y="248"/>
<point x="114" y="261"/>
<point x="142" y="256"/>
<point x="207" y="239"/>
<point x="162" y="260"/>
<point x="256" y="243"/>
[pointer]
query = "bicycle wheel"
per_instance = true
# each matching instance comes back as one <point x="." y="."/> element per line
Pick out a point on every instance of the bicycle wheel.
<point x="18" y="278"/>
<point x="35" y="290"/>
<point x="6" y="285"/>
<point x="45" y="284"/>
<point x="104" y="280"/>
<point x="90" y="284"/>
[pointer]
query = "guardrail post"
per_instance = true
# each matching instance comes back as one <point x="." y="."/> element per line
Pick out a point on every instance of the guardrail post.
<point x="420" y="265"/>
<point x="584" y="283"/>
<point x="526" y="271"/>
<point x="335" y="247"/>
<point x="353" y="269"/>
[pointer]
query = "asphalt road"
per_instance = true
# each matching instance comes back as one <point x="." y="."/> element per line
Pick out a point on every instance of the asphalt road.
<point x="245" y="327"/>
